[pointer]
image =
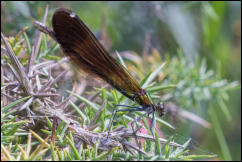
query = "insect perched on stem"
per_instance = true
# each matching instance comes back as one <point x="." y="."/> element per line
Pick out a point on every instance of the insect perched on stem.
<point x="84" y="50"/>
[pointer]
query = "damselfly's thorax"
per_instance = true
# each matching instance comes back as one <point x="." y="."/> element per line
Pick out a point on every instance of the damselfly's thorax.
<point x="142" y="98"/>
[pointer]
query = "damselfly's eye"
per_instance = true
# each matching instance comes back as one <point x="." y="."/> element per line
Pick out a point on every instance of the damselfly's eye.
<point x="160" y="108"/>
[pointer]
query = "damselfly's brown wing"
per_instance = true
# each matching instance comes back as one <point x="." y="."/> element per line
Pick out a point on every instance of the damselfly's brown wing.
<point x="82" y="48"/>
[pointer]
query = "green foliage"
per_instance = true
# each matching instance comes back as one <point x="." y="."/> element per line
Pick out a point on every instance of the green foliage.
<point x="203" y="90"/>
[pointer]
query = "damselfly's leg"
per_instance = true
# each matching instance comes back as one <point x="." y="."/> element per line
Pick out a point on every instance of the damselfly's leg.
<point x="152" y="124"/>
<point x="137" y="119"/>
<point x="134" y="121"/>
<point x="132" y="108"/>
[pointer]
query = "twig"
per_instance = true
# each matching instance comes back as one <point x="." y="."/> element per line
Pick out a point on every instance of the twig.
<point x="35" y="50"/>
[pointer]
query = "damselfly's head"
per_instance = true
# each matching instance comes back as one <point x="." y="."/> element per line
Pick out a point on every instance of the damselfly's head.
<point x="160" y="108"/>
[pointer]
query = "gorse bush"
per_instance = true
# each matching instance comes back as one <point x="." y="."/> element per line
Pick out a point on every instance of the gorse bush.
<point x="39" y="122"/>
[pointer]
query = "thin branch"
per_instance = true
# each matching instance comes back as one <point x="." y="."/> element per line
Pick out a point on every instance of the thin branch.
<point x="35" y="50"/>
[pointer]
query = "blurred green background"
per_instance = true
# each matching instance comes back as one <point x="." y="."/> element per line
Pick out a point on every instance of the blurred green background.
<point x="201" y="30"/>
